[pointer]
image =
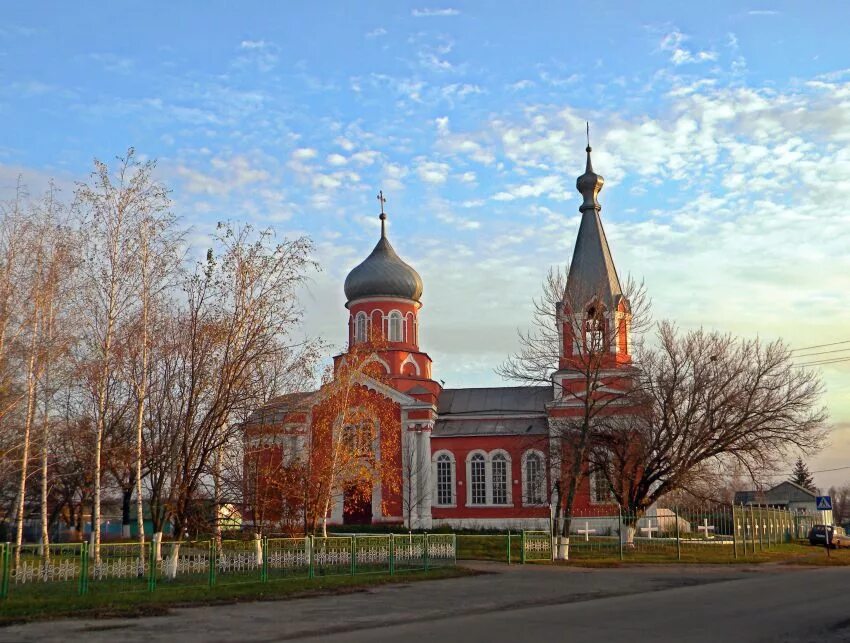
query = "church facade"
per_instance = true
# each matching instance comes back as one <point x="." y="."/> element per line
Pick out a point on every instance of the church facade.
<point x="471" y="457"/>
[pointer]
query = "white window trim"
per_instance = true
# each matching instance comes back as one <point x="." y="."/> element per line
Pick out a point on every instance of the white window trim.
<point x="409" y="360"/>
<point x="390" y="326"/>
<point x="488" y="478"/>
<point x="453" y="480"/>
<point x="361" y="322"/>
<point x="525" y="494"/>
<point x="377" y="358"/>
<point x="509" y="482"/>
<point x="469" y="457"/>
<point x="591" y="478"/>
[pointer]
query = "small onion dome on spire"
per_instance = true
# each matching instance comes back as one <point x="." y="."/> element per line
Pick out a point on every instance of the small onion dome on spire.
<point x="590" y="183"/>
<point x="383" y="273"/>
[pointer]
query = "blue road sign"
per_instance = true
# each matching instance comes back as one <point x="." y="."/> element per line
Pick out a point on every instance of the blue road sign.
<point x="824" y="503"/>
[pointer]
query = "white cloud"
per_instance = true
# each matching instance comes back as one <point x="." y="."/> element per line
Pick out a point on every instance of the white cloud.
<point x="304" y="154"/>
<point x="433" y="172"/>
<point x="434" y="13"/>
<point x="376" y="33"/>
<point x="673" y="43"/>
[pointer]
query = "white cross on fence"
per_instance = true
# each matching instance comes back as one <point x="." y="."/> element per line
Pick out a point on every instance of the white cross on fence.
<point x="586" y="531"/>
<point x="705" y="527"/>
<point x="649" y="529"/>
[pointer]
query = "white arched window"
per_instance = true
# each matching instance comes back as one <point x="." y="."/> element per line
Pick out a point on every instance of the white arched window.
<point x="533" y="479"/>
<point x="499" y="477"/>
<point x="477" y="480"/>
<point x="444" y="469"/>
<point x="360" y="332"/>
<point x="396" y="333"/>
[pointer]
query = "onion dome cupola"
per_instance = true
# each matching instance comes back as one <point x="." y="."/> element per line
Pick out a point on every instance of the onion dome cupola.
<point x="383" y="273"/>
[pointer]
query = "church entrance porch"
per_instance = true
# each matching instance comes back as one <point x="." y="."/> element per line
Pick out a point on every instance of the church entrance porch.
<point x="357" y="507"/>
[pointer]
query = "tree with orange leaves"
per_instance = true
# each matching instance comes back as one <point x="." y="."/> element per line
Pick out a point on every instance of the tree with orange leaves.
<point x="355" y="437"/>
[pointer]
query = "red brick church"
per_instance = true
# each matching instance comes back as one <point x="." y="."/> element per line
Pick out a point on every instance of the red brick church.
<point x="480" y="456"/>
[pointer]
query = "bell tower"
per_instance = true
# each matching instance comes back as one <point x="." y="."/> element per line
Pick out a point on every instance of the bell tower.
<point x="594" y="315"/>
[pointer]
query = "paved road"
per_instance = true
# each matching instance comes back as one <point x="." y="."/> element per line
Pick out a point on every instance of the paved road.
<point x="518" y="604"/>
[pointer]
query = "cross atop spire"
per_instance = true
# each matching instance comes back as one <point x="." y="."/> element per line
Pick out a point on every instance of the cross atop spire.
<point x="383" y="216"/>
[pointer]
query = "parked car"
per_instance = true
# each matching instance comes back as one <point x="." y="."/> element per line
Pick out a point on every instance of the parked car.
<point x="837" y="536"/>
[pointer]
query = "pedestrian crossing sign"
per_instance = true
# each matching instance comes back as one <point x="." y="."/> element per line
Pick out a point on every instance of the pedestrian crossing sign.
<point x="824" y="503"/>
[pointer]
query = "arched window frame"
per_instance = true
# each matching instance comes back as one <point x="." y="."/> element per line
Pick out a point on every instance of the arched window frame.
<point x="409" y="331"/>
<point x="529" y="498"/>
<point x="600" y="492"/>
<point x="470" y="487"/>
<point x="395" y="326"/>
<point x="409" y="360"/>
<point x="444" y="457"/>
<point x="376" y="321"/>
<point x="594" y="327"/>
<point x="500" y="455"/>
<point x="488" y="459"/>
<point x="377" y="359"/>
<point x="361" y="328"/>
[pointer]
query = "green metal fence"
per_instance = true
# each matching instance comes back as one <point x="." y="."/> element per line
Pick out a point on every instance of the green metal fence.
<point x="721" y="532"/>
<point x="33" y="570"/>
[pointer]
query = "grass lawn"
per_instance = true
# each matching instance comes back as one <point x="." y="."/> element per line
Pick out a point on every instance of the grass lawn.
<point x="792" y="553"/>
<point x="605" y="553"/>
<point x="27" y="607"/>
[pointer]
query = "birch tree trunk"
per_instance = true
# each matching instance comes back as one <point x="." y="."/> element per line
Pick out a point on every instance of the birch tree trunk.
<point x="30" y="411"/>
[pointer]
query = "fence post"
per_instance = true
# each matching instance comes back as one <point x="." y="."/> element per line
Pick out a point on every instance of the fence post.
<point x="213" y="562"/>
<point x="509" y="546"/>
<point x="522" y="553"/>
<point x="309" y="542"/>
<point x="354" y="555"/>
<point x="425" y="546"/>
<point x="678" y="539"/>
<point x="4" y="561"/>
<point x="734" y="534"/>
<point x="392" y="554"/>
<point x="620" y="529"/>
<point x="152" y="568"/>
<point x="84" y="567"/>
<point x="265" y="549"/>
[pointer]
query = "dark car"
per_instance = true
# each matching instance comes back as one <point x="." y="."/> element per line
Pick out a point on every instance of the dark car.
<point x="837" y="536"/>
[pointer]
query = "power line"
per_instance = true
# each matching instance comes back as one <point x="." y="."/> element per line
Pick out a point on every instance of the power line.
<point x="832" y="352"/>
<point x="805" y="348"/>
<point x="838" y="360"/>
<point x="791" y="473"/>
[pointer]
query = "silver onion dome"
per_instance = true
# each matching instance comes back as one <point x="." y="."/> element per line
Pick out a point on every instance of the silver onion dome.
<point x="383" y="274"/>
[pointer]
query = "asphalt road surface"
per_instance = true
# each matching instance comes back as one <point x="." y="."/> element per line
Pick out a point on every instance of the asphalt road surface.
<point x="532" y="603"/>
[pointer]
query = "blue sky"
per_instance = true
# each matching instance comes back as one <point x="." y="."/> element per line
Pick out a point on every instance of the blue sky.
<point x="722" y="130"/>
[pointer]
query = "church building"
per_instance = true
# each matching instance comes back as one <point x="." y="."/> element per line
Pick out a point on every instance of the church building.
<point x="475" y="457"/>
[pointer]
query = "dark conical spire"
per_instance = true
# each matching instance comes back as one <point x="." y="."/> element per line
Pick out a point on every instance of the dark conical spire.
<point x="592" y="273"/>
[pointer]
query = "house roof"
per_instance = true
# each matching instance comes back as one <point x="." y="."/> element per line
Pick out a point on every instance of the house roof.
<point x="496" y="400"/>
<point x="497" y="410"/>
<point x="492" y="426"/>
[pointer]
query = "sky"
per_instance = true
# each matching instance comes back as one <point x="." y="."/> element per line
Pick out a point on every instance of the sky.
<point x="722" y="130"/>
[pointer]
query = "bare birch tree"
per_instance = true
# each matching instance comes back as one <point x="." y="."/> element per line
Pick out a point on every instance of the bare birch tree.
<point x="111" y="206"/>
